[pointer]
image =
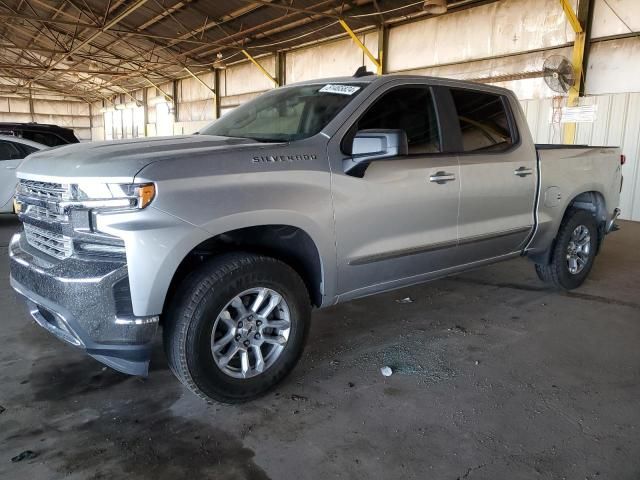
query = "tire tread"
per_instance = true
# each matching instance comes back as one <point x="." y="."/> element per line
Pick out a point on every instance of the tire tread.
<point x="191" y="293"/>
<point x="551" y="272"/>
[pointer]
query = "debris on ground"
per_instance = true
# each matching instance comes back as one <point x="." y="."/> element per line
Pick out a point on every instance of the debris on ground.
<point x="2" y="409"/>
<point x="334" y="362"/>
<point x="26" y="455"/>
<point x="386" y="371"/>
<point x="405" y="300"/>
<point x="477" y="362"/>
<point x="351" y="384"/>
<point x="299" y="398"/>
<point x="458" y="329"/>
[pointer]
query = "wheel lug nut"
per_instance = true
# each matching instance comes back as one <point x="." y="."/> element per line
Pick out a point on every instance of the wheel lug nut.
<point x="239" y="324"/>
<point x="259" y="322"/>
<point x="257" y="336"/>
<point x="246" y="343"/>
<point x="238" y="338"/>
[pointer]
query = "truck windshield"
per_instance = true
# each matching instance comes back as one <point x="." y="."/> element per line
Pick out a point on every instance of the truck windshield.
<point x="286" y="114"/>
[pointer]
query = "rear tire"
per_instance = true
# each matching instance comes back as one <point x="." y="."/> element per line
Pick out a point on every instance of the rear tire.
<point x="573" y="253"/>
<point x="217" y="338"/>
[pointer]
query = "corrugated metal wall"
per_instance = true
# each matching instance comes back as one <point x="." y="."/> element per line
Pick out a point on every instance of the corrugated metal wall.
<point x="617" y="123"/>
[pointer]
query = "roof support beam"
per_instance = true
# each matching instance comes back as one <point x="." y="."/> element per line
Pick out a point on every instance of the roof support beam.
<point x="571" y="16"/>
<point x="188" y="70"/>
<point x="260" y="67"/>
<point x="168" y="97"/>
<point x="290" y="8"/>
<point x="377" y="62"/>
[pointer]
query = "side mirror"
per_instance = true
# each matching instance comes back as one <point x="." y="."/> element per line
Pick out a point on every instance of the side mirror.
<point x="376" y="144"/>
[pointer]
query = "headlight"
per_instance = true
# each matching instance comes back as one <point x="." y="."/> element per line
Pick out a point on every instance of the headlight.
<point x="110" y="196"/>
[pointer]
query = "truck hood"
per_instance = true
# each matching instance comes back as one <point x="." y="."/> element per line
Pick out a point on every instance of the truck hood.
<point x="119" y="161"/>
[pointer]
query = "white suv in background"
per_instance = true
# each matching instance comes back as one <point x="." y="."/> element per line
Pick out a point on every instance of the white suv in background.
<point x="12" y="151"/>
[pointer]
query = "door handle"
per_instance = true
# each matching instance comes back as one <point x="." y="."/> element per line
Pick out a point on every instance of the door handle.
<point x="10" y="168"/>
<point x="523" y="171"/>
<point x="442" y="177"/>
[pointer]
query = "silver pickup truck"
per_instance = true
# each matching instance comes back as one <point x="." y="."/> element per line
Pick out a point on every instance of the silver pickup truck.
<point x="310" y="195"/>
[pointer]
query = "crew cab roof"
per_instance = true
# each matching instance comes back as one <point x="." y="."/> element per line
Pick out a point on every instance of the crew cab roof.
<point x="381" y="79"/>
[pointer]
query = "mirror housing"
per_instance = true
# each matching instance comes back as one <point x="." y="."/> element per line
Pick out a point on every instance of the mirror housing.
<point x="376" y="144"/>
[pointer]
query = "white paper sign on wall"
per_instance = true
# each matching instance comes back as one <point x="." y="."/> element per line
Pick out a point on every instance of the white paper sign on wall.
<point x="581" y="114"/>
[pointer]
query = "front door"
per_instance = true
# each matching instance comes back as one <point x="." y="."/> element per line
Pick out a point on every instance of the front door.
<point x="396" y="220"/>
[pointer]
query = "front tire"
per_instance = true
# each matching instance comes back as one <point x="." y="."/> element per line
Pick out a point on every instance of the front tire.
<point x="573" y="253"/>
<point x="237" y="326"/>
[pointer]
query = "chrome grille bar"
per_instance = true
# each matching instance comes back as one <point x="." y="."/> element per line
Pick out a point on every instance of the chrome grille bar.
<point x="44" y="190"/>
<point x="42" y="213"/>
<point x="51" y="243"/>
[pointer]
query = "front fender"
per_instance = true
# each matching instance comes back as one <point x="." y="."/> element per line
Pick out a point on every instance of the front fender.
<point x="155" y="243"/>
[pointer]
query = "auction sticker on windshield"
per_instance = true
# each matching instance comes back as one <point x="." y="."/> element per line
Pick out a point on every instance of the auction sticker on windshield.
<point x="339" y="89"/>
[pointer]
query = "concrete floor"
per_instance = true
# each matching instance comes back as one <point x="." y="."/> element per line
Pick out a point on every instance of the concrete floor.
<point x="496" y="377"/>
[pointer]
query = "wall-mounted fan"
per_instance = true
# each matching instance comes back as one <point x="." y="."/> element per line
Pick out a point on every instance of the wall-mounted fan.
<point x="559" y="73"/>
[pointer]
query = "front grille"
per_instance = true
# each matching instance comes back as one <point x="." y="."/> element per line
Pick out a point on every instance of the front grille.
<point x="42" y="213"/>
<point x="54" y="244"/>
<point x="44" y="190"/>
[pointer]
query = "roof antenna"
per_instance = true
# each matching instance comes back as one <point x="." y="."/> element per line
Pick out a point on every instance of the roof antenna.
<point x="362" y="72"/>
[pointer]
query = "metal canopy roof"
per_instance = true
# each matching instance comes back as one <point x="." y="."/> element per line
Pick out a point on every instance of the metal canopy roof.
<point x="93" y="49"/>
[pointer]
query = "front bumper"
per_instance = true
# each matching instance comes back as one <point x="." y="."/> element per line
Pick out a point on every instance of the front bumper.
<point x="86" y="303"/>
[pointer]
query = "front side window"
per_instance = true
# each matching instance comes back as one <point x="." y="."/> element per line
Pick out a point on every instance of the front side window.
<point x="410" y="109"/>
<point x="286" y="114"/>
<point x="483" y="121"/>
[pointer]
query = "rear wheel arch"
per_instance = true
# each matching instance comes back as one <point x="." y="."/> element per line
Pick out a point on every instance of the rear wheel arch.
<point x="591" y="201"/>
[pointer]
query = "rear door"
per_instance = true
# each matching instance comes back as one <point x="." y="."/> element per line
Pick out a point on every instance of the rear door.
<point x="498" y="176"/>
<point x="10" y="157"/>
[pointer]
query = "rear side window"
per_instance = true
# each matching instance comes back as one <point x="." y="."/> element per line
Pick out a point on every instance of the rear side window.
<point x="49" y="139"/>
<point x="410" y="109"/>
<point x="484" y="122"/>
<point x="8" y="151"/>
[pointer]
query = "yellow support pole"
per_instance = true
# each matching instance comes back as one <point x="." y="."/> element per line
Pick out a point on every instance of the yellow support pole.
<point x="574" y="93"/>
<point x="576" y="60"/>
<point x="571" y="16"/>
<point x="262" y="69"/>
<point x="376" y="62"/>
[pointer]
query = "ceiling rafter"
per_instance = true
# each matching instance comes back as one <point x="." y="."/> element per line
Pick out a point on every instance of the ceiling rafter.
<point x="122" y="59"/>
<point x="102" y="48"/>
<point x="108" y="25"/>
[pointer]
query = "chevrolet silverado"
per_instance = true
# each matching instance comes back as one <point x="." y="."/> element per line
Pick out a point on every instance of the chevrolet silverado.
<point x="310" y="195"/>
